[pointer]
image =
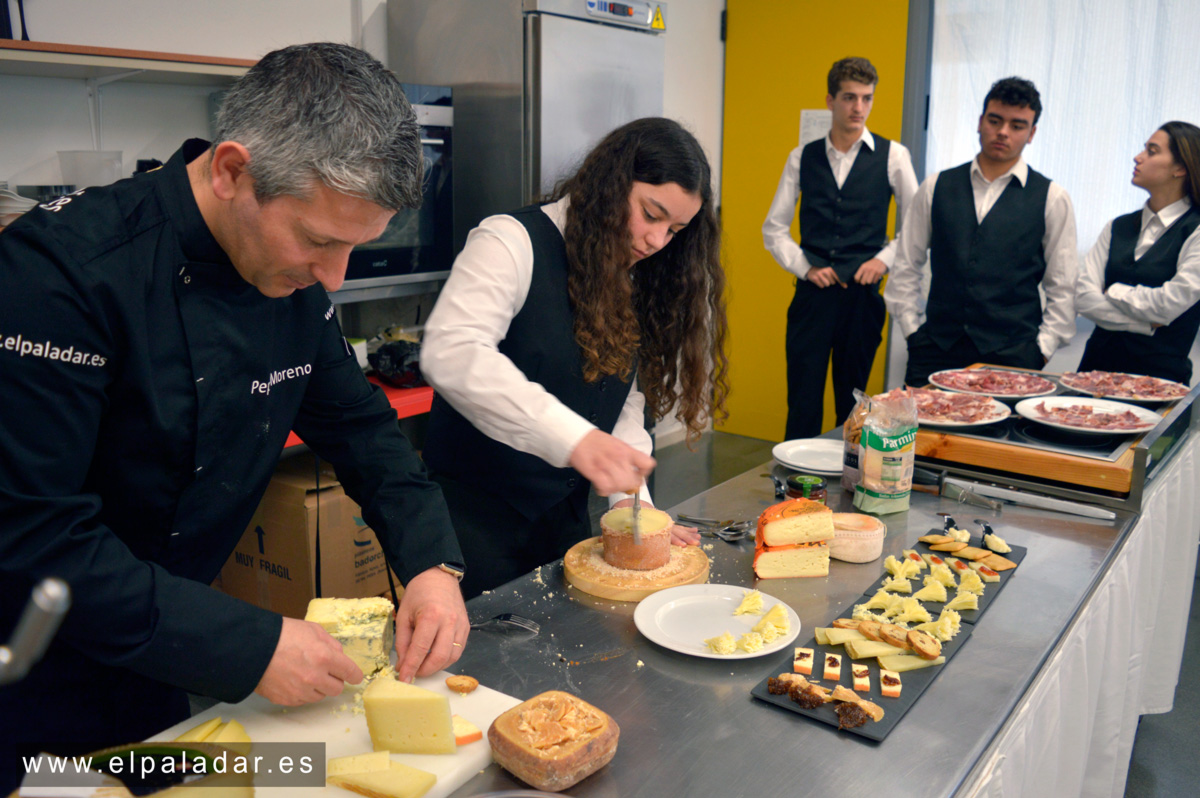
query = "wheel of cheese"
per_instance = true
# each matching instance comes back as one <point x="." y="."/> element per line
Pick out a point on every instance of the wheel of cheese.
<point x="616" y="527"/>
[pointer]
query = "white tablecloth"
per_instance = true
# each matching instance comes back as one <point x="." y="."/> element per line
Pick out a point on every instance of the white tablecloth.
<point x="1073" y="732"/>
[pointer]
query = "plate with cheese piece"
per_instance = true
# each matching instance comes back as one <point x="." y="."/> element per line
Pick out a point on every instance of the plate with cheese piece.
<point x="717" y="621"/>
<point x="934" y="589"/>
<point x="889" y="674"/>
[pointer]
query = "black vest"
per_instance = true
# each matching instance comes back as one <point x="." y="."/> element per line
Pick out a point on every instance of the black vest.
<point x="541" y="343"/>
<point x="844" y="227"/>
<point x="985" y="276"/>
<point x="1165" y="353"/>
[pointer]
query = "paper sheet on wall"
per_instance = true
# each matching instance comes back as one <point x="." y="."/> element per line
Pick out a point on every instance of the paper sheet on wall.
<point x="814" y="124"/>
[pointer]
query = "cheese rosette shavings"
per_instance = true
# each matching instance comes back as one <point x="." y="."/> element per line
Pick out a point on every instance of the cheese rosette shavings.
<point x="888" y="437"/>
<point x="751" y="604"/>
<point x="722" y="644"/>
<point x="905" y="569"/>
<point x="911" y="611"/>
<point x="751" y="642"/>
<point x="774" y="624"/>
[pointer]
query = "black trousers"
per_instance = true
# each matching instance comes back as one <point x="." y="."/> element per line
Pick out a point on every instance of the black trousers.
<point x="500" y="544"/>
<point x="925" y="356"/>
<point x="69" y="704"/>
<point x="843" y="323"/>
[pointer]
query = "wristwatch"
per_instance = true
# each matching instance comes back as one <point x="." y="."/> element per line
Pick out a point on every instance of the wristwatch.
<point x="456" y="571"/>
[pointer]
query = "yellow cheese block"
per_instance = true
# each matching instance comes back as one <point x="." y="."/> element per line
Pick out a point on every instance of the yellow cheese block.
<point x="231" y="732"/>
<point x="359" y="763"/>
<point x="364" y="626"/>
<point x="398" y="781"/>
<point x="860" y="649"/>
<point x="899" y="663"/>
<point x="407" y="719"/>
<point x="199" y="732"/>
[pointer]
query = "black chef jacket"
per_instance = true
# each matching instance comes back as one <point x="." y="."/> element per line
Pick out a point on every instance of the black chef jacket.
<point x="146" y="392"/>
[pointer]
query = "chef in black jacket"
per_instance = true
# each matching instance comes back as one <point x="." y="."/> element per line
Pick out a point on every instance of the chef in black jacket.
<point x="1140" y="282"/>
<point x="158" y="340"/>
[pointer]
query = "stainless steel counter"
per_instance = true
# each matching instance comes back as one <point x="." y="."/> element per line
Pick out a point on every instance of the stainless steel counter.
<point x="689" y="725"/>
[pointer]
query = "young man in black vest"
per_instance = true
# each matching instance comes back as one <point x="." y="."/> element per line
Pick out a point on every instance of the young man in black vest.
<point x="845" y="182"/>
<point x="993" y="230"/>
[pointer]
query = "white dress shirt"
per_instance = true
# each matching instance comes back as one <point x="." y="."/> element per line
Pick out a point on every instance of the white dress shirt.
<point x="776" y="229"/>
<point x="487" y="287"/>
<point x="903" y="293"/>
<point x="1136" y="308"/>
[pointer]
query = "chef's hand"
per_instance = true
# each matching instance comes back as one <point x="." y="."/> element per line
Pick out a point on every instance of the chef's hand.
<point x="680" y="535"/>
<point x="870" y="272"/>
<point x="823" y="277"/>
<point x="611" y="465"/>
<point x="431" y="625"/>
<point x="308" y="664"/>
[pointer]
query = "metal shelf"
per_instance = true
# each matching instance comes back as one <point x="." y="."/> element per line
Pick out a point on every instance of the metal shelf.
<point x="48" y="60"/>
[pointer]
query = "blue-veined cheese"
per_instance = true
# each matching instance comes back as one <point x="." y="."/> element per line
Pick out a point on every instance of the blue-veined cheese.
<point x="364" y="626"/>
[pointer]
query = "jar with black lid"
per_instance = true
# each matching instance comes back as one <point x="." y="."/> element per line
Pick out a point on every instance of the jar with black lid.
<point x="806" y="486"/>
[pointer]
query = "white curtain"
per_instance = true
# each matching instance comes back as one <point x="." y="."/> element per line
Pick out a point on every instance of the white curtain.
<point x="1109" y="72"/>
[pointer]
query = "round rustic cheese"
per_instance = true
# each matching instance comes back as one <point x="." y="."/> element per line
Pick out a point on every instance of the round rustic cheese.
<point x="616" y="527"/>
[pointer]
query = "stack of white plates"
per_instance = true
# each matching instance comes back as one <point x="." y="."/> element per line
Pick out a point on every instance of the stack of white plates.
<point x="12" y="205"/>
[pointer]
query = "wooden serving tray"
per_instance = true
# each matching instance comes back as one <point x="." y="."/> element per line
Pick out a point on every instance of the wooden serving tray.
<point x="688" y="566"/>
<point x="942" y="445"/>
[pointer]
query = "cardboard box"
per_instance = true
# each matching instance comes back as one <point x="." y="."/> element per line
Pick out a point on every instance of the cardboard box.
<point x="274" y="564"/>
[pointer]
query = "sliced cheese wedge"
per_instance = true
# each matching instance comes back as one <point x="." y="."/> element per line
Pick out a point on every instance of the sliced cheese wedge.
<point x="398" y="781"/>
<point x="199" y="732"/>
<point x="860" y="649"/>
<point x="373" y="762"/>
<point x="899" y="663"/>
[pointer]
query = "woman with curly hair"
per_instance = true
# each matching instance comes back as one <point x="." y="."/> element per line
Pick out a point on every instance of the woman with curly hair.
<point x="561" y="325"/>
<point x="1140" y="282"/>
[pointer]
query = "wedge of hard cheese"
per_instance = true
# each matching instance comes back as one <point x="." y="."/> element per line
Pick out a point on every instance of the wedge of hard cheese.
<point x="398" y="781"/>
<point x="407" y="719"/>
<point x="795" y="521"/>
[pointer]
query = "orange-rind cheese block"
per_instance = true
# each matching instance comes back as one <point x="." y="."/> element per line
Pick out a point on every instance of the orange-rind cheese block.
<point x="795" y="521"/>
<point x="783" y="562"/>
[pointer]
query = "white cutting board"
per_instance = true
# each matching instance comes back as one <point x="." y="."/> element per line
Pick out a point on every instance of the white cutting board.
<point x="345" y="733"/>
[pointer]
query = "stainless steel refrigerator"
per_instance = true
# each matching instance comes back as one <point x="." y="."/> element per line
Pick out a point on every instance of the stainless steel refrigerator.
<point x="536" y="83"/>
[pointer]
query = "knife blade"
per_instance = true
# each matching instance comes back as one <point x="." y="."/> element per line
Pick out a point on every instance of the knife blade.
<point x="1030" y="499"/>
<point x="637" y="510"/>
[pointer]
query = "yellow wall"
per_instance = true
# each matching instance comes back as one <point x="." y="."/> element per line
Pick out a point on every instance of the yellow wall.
<point x="777" y="56"/>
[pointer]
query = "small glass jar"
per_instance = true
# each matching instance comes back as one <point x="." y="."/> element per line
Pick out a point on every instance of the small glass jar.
<point x="806" y="486"/>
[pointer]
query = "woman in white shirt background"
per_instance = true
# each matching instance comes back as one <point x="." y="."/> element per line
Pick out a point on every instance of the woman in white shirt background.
<point x="1140" y="283"/>
<point x="560" y="328"/>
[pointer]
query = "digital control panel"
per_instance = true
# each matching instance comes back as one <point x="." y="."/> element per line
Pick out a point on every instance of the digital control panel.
<point x="643" y="15"/>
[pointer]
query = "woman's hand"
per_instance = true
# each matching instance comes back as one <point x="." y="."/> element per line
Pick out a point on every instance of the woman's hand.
<point x="685" y="535"/>
<point x="610" y="464"/>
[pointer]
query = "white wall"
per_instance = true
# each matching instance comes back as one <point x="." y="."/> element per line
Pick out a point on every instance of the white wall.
<point x="694" y="80"/>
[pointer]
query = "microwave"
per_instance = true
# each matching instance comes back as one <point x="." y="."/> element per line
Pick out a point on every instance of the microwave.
<point x="416" y="249"/>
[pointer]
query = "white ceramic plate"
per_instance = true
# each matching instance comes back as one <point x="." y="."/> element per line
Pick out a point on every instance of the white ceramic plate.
<point x="933" y="380"/>
<point x="1066" y="382"/>
<point x="1000" y="412"/>
<point x="682" y="618"/>
<point x="818" y="455"/>
<point x="1026" y="408"/>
